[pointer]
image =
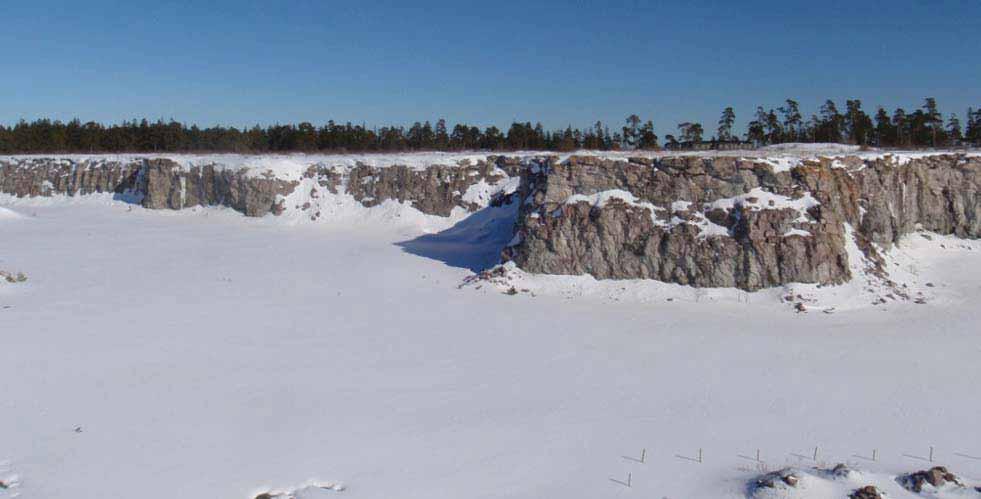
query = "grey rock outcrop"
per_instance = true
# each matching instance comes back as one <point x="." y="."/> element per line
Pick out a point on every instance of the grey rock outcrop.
<point x="434" y="190"/>
<point x="166" y="186"/>
<point x="156" y="183"/>
<point x="161" y="183"/>
<point x="733" y="222"/>
<point x="49" y="176"/>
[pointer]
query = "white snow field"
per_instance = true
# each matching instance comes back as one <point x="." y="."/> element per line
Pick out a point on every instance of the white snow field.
<point x="203" y="354"/>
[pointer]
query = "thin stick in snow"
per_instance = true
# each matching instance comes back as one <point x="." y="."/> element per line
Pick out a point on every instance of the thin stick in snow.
<point x="694" y="459"/>
<point x="643" y="457"/>
<point x="875" y="456"/>
<point x="621" y="482"/>
<point x="931" y="453"/>
<point x="815" y="454"/>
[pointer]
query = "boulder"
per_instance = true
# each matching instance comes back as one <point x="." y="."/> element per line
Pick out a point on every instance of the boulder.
<point x="785" y="477"/>
<point x="936" y="476"/>
<point x="867" y="492"/>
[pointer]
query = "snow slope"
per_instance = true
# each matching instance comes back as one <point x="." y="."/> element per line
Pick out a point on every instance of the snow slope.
<point x="201" y="354"/>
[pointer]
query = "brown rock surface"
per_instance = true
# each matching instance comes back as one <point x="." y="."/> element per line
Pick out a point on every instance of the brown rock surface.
<point x="726" y="237"/>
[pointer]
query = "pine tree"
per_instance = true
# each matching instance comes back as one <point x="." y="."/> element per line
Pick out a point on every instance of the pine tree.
<point x="858" y="125"/>
<point x="830" y="127"/>
<point x="774" y="130"/>
<point x="756" y="132"/>
<point x="901" y="124"/>
<point x="442" y="139"/>
<point x="695" y="132"/>
<point x="973" y="131"/>
<point x="954" y="129"/>
<point x="792" y="121"/>
<point x="631" y="135"/>
<point x="725" y="124"/>
<point x="934" y="122"/>
<point x="885" y="132"/>
<point x="539" y="137"/>
<point x="568" y="141"/>
<point x="647" y="139"/>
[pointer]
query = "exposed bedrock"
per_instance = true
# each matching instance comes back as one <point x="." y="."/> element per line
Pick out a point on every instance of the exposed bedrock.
<point x="714" y="221"/>
<point x="732" y="222"/>
<point x="165" y="185"/>
<point x="155" y="183"/>
<point x="161" y="183"/>
<point x="435" y="190"/>
<point x="48" y="176"/>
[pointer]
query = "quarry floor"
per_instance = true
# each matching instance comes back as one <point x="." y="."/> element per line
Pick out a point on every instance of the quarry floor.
<point x="201" y="354"/>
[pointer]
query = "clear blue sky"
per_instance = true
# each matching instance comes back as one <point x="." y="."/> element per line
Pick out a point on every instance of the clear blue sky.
<point x="239" y="62"/>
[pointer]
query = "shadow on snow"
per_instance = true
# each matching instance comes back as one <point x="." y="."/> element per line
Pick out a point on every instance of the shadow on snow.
<point x="474" y="243"/>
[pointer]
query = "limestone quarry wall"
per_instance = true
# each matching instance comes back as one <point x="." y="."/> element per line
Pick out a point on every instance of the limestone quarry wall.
<point x="735" y="222"/>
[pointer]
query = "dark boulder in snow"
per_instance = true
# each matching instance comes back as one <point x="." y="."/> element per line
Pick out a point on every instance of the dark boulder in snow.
<point x="867" y="492"/>
<point x="783" y="478"/>
<point x="936" y="476"/>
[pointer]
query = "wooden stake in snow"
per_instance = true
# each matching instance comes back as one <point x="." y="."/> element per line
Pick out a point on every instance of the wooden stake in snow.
<point x="931" y="453"/>
<point x="757" y="455"/>
<point x="875" y="454"/>
<point x="699" y="455"/>
<point x="815" y="453"/>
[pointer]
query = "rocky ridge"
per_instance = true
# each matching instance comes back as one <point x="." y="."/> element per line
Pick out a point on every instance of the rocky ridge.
<point x="162" y="183"/>
<point x="700" y="220"/>
<point x="736" y="222"/>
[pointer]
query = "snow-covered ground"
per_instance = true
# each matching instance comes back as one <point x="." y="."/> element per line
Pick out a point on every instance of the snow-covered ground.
<point x="202" y="354"/>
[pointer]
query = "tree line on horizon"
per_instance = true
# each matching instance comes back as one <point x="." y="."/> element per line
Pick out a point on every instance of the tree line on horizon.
<point x="922" y="127"/>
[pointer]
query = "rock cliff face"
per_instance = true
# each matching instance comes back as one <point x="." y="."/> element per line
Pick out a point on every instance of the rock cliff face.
<point x="155" y="183"/>
<point x="435" y="190"/>
<point x="164" y="185"/>
<point x="732" y="222"/>
<point x="48" y="176"/>
<point x="161" y="183"/>
<point x="711" y="221"/>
